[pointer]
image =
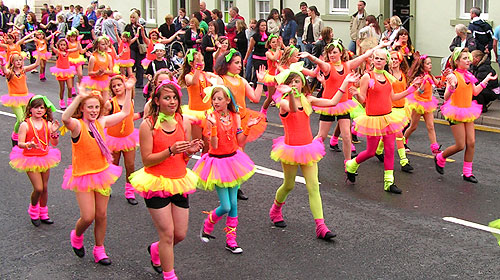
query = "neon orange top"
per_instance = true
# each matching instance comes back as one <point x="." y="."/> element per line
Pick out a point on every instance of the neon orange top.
<point x="41" y="45"/>
<point x="196" y="94"/>
<point x="86" y="154"/>
<point x="173" y="167"/>
<point x="113" y="54"/>
<point x="226" y="136"/>
<point x="17" y="84"/>
<point x="378" y="98"/>
<point x="41" y="138"/>
<point x="125" y="48"/>
<point x="297" y="128"/>
<point x="13" y="48"/>
<point x="149" y="55"/>
<point x="427" y="95"/>
<point x="399" y="86"/>
<point x="63" y="60"/>
<point x="101" y="64"/>
<point x="334" y="81"/>
<point x="462" y="97"/>
<point x="125" y="127"/>
<point x="238" y="90"/>
<point x="272" y="66"/>
<point x="75" y="54"/>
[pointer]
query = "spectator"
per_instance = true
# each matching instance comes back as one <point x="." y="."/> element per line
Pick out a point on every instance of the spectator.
<point x="168" y="28"/>
<point x="217" y="17"/>
<point x="134" y="28"/>
<point x="202" y="25"/>
<point x="121" y="23"/>
<point x="388" y="30"/>
<point x="326" y="38"/>
<point x="257" y="46"/>
<point x="358" y="21"/>
<point x="231" y="26"/>
<point x="463" y="39"/>
<point x="21" y="18"/>
<point x="402" y="44"/>
<point x="496" y="47"/>
<point x="108" y="27"/>
<point x="369" y="36"/>
<point x="98" y="23"/>
<point x="241" y="38"/>
<point x="45" y="16"/>
<point x="481" y="31"/>
<point x="288" y="26"/>
<point x="70" y="15"/>
<point x="85" y="29"/>
<point x="59" y="11"/>
<point x="178" y="19"/>
<point x="13" y="13"/>
<point x="312" y="29"/>
<point x="90" y="13"/>
<point x="396" y="26"/>
<point x="481" y="67"/>
<point x="4" y="19"/>
<point x="78" y="15"/>
<point x="208" y="45"/>
<point x="274" y="22"/>
<point x="252" y="29"/>
<point x="206" y="14"/>
<point x="300" y="18"/>
<point x="62" y="26"/>
<point x="158" y="63"/>
<point x="193" y="36"/>
<point x="31" y="26"/>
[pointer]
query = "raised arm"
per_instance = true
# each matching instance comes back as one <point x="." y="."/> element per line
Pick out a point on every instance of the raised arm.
<point x="113" y="119"/>
<point x="321" y="102"/>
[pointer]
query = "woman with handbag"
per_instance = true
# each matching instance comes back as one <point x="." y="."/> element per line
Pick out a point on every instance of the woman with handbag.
<point x="137" y="49"/>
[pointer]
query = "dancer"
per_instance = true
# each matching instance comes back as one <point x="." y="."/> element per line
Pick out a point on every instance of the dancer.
<point x="18" y="96"/>
<point x="297" y="147"/>
<point x="165" y="182"/>
<point x="14" y="47"/>
<point x="225" y="167"/>
<point x="222" y="45"/>
<point x="422" y="102"/>
<point x="34" y="155"/>
<point x="273" y="56"/>
<point x="76" y="57"/>
<point x="123" y="138"/>
<point x="91" y="174"/>
<point x="100" y="68"/>
<point x="124" y="60"/>
<point x="41" y="51"/>
<point x="461" y="111"/>
<point x="380" y="120"/>
<point x="63" y="71"/>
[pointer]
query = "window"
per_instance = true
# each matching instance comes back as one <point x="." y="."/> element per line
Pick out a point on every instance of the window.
<point x="226" y="5"/>
<point x="263" y="9"/>
<point x="466" y="5"/>
<point x="150" y="11"/>
<point x="339" y="7"/>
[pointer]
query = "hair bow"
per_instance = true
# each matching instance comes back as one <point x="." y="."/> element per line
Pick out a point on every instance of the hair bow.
<point x="271" y="36"/>
<point x="73" y="32"/>
<point x="170" y="119"/>
<point x="169" y="82"/>
<point x="102" y="37"/>
<point x="126" y="33"/>
<point x="95" y="93"/>
<point x="229" y="56"/>
<point x="337" y="43"/>
<point x="47" y="102"/>
<point x="293" y="48"/>
<point x="190" y="55"/>
<point x="294" y="68"/>
<point x="423" y="57"/>
<point x="210" y="90"/>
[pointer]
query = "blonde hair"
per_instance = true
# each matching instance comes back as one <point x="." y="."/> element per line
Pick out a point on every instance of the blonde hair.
<point x="240" y="25"/>
<point x="395" y="22"/>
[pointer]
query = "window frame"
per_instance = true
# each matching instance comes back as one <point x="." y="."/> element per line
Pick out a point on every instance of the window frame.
<point x="225" y="13"/>
<point x="258" y="13"/>
<point x="151" y="12"/>
<point x="466" y="15"/>
<point x="339" y="11"/>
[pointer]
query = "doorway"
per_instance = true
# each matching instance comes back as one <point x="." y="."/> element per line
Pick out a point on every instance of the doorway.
<point x="401" y="8"/>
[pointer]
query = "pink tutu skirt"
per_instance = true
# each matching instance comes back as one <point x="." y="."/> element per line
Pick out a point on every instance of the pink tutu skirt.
<point x="149" y="185"/>
<point x="457" y="114"/>
<point x="63" y="74"/>
<point x="42" y="56"/>
<point x="125" y="62"/>
<point x="227" y="172"/>
<point x="145" y="63"/>
<point x="381" y="125"/>
<point x="422" y="107"/>
<point x="127" y="143"/>
<point x="340" y="109"/>
<point x="15" y="100"/>
<point x="88" y="82"/>
<point x="297" y="155"/>
<point x="77" y="61"/>
<point x="23" y="163"/>
<point x="98" y="182"/>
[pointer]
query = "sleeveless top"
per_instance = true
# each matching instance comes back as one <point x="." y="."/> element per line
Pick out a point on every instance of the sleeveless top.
<point x="226" y="136"/>
<point x="149" y="55"/>
<point x="272" y="66"/>
<point x="427" y="95"/>
<point x="297" y="128"/>
<point x="462" y="97"/>
<point x="86" y="154"/>
<point x="75" y="54"/>
<point x="41" y="45"/>
<point x="101" y="64"/>
<point x="126" y="126"/>
<point x="62" y="61"/>
<point x="40" y="136"/>
<point x="378" y="98"/>
<point x="195" y="93"/>
<point x="238" y="90"/>
<point x="125" y="48"/>
<point x="399" y="86"/>
<point x="17" y="85"/>
<point x="334" y="81"/>
<point x="12" y="48"/>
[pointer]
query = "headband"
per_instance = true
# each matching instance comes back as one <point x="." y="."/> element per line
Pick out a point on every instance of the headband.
<point x="169" y="82"/>
<point x="190" y="55"/>
<point x="292" y="50"/>
<point x="126" y="33"/>
<point x="271" y="36"/>
<point x="210" y="90"/>
<point x="47" y="102"/>
<point x="456" y="53"/>
<point x="423" y="57"/>
<point x="229" y="56"/>
<point x="102" y="37"/>
<point x="336" y="43"/>
<point x="294" y="68"/>
<point x="72" y="32"/>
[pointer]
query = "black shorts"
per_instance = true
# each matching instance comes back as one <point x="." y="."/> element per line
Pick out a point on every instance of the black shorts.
<point x="160" y="202"/>
<point x="327" y="118"/>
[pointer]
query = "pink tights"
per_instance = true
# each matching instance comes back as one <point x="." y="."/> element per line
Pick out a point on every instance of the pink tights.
<point x="371" y="147"/>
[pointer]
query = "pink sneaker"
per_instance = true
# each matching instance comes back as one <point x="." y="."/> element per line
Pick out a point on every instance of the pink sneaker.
<point x="62" y="104"/>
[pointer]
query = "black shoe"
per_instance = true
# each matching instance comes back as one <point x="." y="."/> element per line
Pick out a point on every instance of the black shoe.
<point x="394" y="189"/>
<point x="351" y="176"/>
<point x="407" y="149"/>
<point x="439" y="169"/>
<point x="47" y="221"/>
<point x="36" y="222"/>
<point x="241" y="195"/>
<point x="158" y="269"/>
<point x="380" y="157"/>
<point x="234" y="250"/>
<point x="471" y="179"/>
<point x="132" y="201"/>
<point x="335" y="148"/>
<point x="79" y="252"/>
<point x="14" y="142"/>
<point x="329" y="235"/>
<point x="280" y="224"/>
<point x="355" y="139"/>
<point x="354" y="154"/>
<point x="105" y="261"/>
<point x="407" y="168"/>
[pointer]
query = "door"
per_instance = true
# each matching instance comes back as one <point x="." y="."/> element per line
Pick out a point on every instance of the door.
<point x="401" y="8"/>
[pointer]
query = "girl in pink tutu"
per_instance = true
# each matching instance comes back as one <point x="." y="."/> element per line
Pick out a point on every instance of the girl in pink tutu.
<point x="225" y="167"/>
<point x="165" y="182"/>
<point x="18" y="96"/>
<point x="41" y="51"/>
<point x="122" y="138"/>
<point x="461" y="111"/>
<point x="154" y="37"/>
<point x="91" y="172"/>
<point x="12" y="45"/>
<point x="34" y="155"/>
<point x="422" y="102"/>
<point x="124" y="60"/>
<point x="76" y="57"/>
<point x="100" y="68"/>
<point x="63" y="71"/>
<point x="297" y="147"/>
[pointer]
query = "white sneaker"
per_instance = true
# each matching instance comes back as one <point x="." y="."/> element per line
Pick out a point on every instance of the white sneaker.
<point x="34" y="71"/>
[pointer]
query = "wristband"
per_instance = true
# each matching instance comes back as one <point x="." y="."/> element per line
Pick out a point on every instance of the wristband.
<point x="411" y="89"/>
<point x="246" y="131"/>
<point x="213" y="131"/>
<point x="420" y="91"/>
<point x="170" y="151"/>
<point x="341" y="90"/>
<point x="451" y="89"/>
<point x="239" y="130"/>
<point x="482" y="84"/>
<point x="260" y="83"/>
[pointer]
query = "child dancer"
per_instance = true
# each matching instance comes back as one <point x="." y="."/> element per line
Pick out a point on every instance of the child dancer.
<point x="297" y="147"/>
<point x="461" y="111"/>
<point x="100" y="68"/>
<point x="380" y="120"/>
<point x="422" y="102"/>
<point x="222" y="45"/>
<point x="273" y="56"/>
<point x="154" y="37"/>
<point x="41" y="51"/>
<point x="76" y="57"/>
<point x="122" y="138"/>
<point x="34" y="155"/>
<point x="165" y="182"/>
<point x="124" y="60"/>
<point x="18" y="95"/>
<point x="12" y="46"/>
<point x="91" y="174"/>
<point x="225" y="167"/>
<point x="63" y="71"/>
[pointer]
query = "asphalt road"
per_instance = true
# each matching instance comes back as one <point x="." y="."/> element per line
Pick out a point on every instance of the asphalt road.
<point x="380" y="235"/>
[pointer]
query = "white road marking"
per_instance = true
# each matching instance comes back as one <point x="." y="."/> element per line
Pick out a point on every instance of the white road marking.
<point x="471" y="224"/>
<point x="7" y="114"/>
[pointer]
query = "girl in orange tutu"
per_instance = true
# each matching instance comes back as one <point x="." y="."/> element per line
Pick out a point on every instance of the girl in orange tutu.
<point x="63" y="71"/>
<point x="461" y="111"/>
<point x="13" y="46"/>
<point x="124" y="60"/>
<point x="34" y="155"/>
<point x="100" y="68"/>
<point x="273" y="56"/>
<point x="91" y="172"/>
<point x="41" y="51"/>
<point x="76" y="57"/>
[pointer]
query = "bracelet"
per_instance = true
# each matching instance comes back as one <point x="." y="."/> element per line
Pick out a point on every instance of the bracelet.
<point x="213" y="131"/>
<point x="239" y="130"/>
<point x="341" y="90"/>
<point x="483" y="84"/>
<point x="170" y="151"/>
<point x="246" y="131"/>
<point x="421" y="91"/>
<point x="260" y="83"/>
<point x="54" y="135"/>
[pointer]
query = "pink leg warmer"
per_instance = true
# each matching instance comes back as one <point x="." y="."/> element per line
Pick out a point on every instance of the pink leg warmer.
<point x="129" y="191"/>
<point x="275" y="212"/>
<point x="210" y="222"/>
<point x="34" y="211"/>
<point x="435" y="148"/>
<point x="467" y="169"/>
<point x="76" y="241"/>
<point x="14" y="136"/>
<point x="321" y="228"/>
<point x="99" y="253"/>
<point x="169" y="275"/>
<point x="44" y="213"/>
<point x="389" y="141"/>
<point x="353" y="148"/>
<point x="230" y="229"/>
<point x="263" y="111"/>
<point x="334" y="140"/>
<point x="155" y="254"/>
<point x="371" y="147"/>
<point x="441" y="161"/>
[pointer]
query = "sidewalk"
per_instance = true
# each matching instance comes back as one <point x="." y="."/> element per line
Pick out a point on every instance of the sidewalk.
<point x="490" y="118"/>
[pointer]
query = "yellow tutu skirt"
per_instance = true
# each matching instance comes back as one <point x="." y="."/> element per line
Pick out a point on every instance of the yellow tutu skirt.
<point x="149" y="185"/>
<point x="381" y="125"/>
